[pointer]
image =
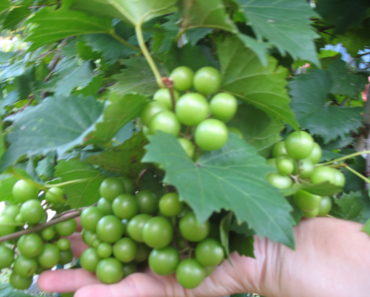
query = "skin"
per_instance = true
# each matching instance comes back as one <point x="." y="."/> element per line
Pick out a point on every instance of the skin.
<point x="332" y="258"/>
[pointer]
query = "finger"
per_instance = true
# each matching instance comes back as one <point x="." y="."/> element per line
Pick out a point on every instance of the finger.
<point x="65" y="280"/>
<point x="78" y="246"/>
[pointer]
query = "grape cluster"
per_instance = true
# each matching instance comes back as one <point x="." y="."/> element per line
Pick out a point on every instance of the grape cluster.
<point x="296" y="162"/>
<point x="193" y="102"/>
<point x="33" y="252"/>
<point x="127" y="231"/>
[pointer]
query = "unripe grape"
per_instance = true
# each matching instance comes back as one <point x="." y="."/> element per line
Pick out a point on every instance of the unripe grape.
<point x="188" y="146"/>
<point x="164" y="97"/>
<point x="191" y="109"/>
<point x="182" y="78"/>
<point x="223" y="106"/>
<point x="211" y="134"/>
<point x="24" y="190"/>
<point x="207" y="80"/>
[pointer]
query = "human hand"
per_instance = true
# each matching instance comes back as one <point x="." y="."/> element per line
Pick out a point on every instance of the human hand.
<point x="332" y="258"/>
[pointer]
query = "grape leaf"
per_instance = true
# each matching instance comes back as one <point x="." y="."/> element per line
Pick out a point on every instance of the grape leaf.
<point x="201" y="13"/>
<point x="118" y="111"/>
<point x="309" y="92"/>
<point x="232" y="178"/>
<point x="7" y="182"/>
<point x="7" y="291"/>
<point x="85" y="190"/>
<point x="78" y="77"/>
<point x="136" y="78"/>
<point x="57" y="123"/>
<point x="4" y="5"/>
<point x="15" y="16"/>
<point x="346" y="82"/>
<point x="284" y="23"/>
<point x="49" y="25"/>
<point x="136" y="12"/>
<point x="257" y="127"/>
<point x="259" y="47"/>
<point x="262" y="86"/>
<point x="111" y="49"/>
<point x="123" y="159"/>
<point x="343" y="14"/>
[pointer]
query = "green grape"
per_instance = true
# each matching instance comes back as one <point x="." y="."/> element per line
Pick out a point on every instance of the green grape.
<point x="32" y="211"/>
<point x="63" y="244"/>
<point x="105" y="206"/>
<point x="305" y="168"/>
<point x="192" y="108"/>
<point x="207" y="80"/>
<point x="182" y="78"/>
<point x="299" y="144"/>
<point x="279" y="181"/>
<point x="109" y="271"/>
<point x="150" y="110"/>
<point x="7" y="225"/>
<point x="89" y="237"/>
<point x="55" y="195"/>
<point x="223" y="106"/>
<point x="170" y="204"/>
<point x="190" y="274"/>
<point x="325" y="206"/>
<point x="24" y="190"/>
<point x="66" y="228"/>
<point x="20" y="282"/>
<point x="125" y="250"/>
<point x="165" y="121"/>
<point x="129" y="268"/>
<point x="211" y="134"/>
<point x="148" y="202"/>
<point x="11" y="211"/>
<point x="25" y="267"/>
<point x="110" y="229"/>
<point x="193" y="230"/>
<point x="104" y="250"/>
<point x="30" y="245"/>
<point x="49" y="256"/>
<point x="6" y="256"/>
<point x="48" y="233"/>
<point x="89" y="259"/>
<point x="142" y="252"/>
<point x="128" y="185"/>
<point x="111" y="187"/>
<point x="187" y="146"/>
<point x="306" y="201"/>
<point x="164" y="261"/>
<point x="279" y="149"/>
<point x="164" y="97"/>
<point x="125" y="206"/>
<point x="157" y="232"/>
<point x="285" y="165"/>
<point x="209" y="252"/>
<point x="316" y="153"/>
<point x="65" y="257"/>
<point x="89" y="218"/>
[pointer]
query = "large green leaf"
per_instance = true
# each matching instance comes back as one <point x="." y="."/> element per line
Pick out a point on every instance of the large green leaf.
<point x="232" y="178"/>
<point x="136" y="12"/>
<point x="80" y="77"/>
<point x="49" y="25"/>
<point x="123" y="159"/>
<point x="257" y="127"/>
<point x="4" y="4"/>
<point x="261" y="86"/>
<point x="310" y="92"/>
<point x="118" y="111"/>
<point x="136" y="78"/>
<point x="284" y="23"/>
<point x="200" y="13"/>
<point x="57" y="124"/>
<point x="345" y="81"/>
<point x="343" y="14"/>
<point x="15" y="16"/>
<point x="83" y="180"/>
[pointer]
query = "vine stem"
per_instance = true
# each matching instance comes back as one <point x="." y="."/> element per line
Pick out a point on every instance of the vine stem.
<point x="65" y="217"/>
<point x="345" y="158"/>
<point x="123" y="41"/>
<point x="357" y="174"/>
<point x="148" y="57"/>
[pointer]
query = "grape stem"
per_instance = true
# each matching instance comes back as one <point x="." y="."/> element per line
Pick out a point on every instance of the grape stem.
<point x="359" y="175"/>
<point x="146" y="53"/>
<point x="345" y="158"/>
<point x="63" y="217"/>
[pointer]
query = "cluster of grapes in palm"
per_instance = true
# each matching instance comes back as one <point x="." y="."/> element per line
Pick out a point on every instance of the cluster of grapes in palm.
<point x="192" y="102"/>
<point x="127" y="231"/>
<point x="296" y="162"/>
<point x="33" y="252"/>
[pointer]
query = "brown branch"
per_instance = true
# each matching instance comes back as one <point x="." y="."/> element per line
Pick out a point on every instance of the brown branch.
<point x="67" y="216"/>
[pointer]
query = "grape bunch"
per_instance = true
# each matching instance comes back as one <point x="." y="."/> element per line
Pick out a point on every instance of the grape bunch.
<point x="128" y="231"/>
<point x="33" y="252"/>
<point x="192" y="110"/>
<point x="296" y="162"/>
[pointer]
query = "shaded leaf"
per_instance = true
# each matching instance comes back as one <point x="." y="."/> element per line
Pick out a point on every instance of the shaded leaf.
<point x="57" y="124"/>
<point x="260" y="48"/>
<point x="85" y="190"/>
<point x="15" y="16"/>
<point x="285" y="24"/>
<point x="51" y="25"/>
<point x="200" y="13"/>
<point x="136" y="78"/>
<point x="7" y="291"/>
<point x="232" y="178"/>
<point x="78" y="77"/>
<point x="135" y="12"/>
<point x="350" y="206"/>
<point x="4" y="5"/>
<point x="309" y="92"/>
<point x="118" y="111"/>
<point x="123" y="159"/>
<point x="262" y="86"/>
